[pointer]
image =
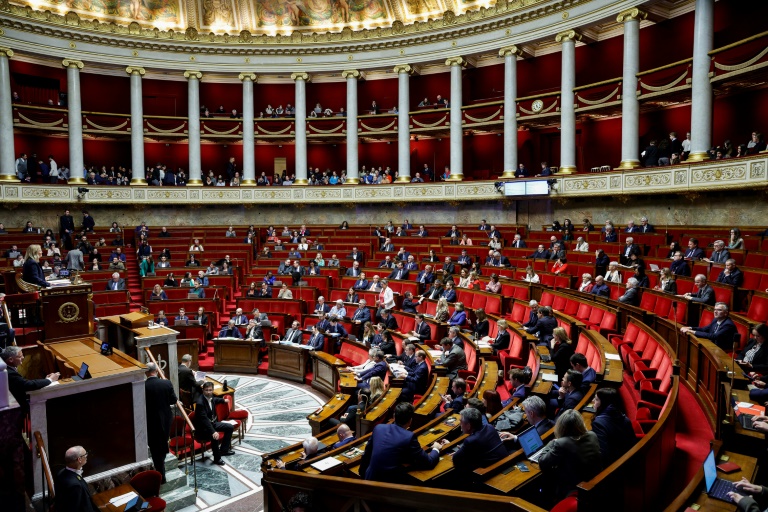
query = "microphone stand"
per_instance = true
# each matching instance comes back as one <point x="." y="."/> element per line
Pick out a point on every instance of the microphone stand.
<point x="677" y="330"/>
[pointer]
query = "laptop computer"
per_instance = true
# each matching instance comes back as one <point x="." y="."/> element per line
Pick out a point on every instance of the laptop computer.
<point x="717" y="488"/>
<point x="181" y="321"/>
<point x="193" y="322"/>
<point x="136" y="504"/>
<point x="742" y="416"/>
<point x="531" y="443"/>
<point x="83" y="373"/>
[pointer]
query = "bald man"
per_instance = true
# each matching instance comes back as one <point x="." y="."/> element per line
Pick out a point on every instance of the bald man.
<point x="345" y="436"/>
<point x="72" y="492"/>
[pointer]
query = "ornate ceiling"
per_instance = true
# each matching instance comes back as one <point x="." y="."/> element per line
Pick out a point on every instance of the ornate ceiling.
<point x="260" y="16"/>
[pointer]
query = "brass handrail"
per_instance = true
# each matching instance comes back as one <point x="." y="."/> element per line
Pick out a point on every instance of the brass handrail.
<point x="46" y="467"/>
<point x="179" y="405"/>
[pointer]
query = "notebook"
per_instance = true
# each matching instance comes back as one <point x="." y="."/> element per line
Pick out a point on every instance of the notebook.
<point x="717" y="488"/>
<point x="531" y="443"/>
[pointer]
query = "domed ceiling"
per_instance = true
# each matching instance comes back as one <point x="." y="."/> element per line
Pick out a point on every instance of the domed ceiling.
<point x="260" y="16"/>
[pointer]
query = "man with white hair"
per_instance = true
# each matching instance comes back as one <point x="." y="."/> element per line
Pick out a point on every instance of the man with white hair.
<point x="18" y="385"/>
<point x="310" y="446"/>
<point x="581" y="245"/>
<point x="630" y="248"/>
<point x="720" y="254"/>
<point x="703" y="293"/>
<point x="720" y="331"/>
<point x="240" y="318"/>
<point x="321" y="308"/>
<point x="631" y="228"/>
<point x="116" y="283"/>
<point x="533" y="317"/>
<point x="644" y="226"/>
<point x="630" y="295"/>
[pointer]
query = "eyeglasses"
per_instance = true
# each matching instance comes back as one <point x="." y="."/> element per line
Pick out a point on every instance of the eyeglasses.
<point x="83" y="456"/>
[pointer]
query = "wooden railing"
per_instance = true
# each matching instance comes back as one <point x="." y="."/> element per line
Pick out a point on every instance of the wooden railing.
<point x="45" y="468"/>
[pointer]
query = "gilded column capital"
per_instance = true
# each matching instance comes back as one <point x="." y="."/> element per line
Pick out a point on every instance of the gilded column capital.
<point x="404" y="68"/>
<point x="247" y="76"/>
<point x="193" y="73"/>
<point x="72" y="63"/>
<point x="455" y="61"/>
<point x="135" y="70"/>
<point x="351" y="73"/>
<point x="568" y="35"/>
<point x="511" y="50"/>
<point x="300" y="76"/>
<point x="631" y="15"/>
<point x="6" y="52"/>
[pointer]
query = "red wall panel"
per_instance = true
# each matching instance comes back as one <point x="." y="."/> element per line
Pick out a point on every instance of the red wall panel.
<point x="331" y="95"/>
<point x="42" y="146"/>
<point x="214" y="95"/>
<point x="272" y="94"/>
<point x="538" y="75"/>
<point x="107" y="153"/>
<point x="384" y="92"/>
<point x="104" y="93"/>
<point x="429" y="86"/>
<point x="484" y="84"/>
<point x="164" y="97"/>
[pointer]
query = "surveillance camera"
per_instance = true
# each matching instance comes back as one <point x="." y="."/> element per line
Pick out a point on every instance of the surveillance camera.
<point x="82" y="190"/>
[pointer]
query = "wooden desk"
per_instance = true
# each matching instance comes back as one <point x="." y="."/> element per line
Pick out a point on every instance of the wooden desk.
<point x="348" y="383"/>
<point x="101" y="500"/>
<point x="88" y="350"/>
<point x="336" y="406"/>
<point x="694" y="493"/>
<point x="440" y="430"/>
<point x="236" y="355"/>
<point x="288" y="361"/>
<point x="67" y="310"/>
<point x="325" y="369"/>
<point x="378" y="412"/>
<point x="433" y="400"/>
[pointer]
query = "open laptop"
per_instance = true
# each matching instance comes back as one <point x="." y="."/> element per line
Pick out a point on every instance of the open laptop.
<point x="181" y="321"/>
<point x="136" y="504"/>
<point x="744" y="416"/>
<point x="83" y="373"/>
<point x="717" y="488"/>
<point x="531" y="443"/>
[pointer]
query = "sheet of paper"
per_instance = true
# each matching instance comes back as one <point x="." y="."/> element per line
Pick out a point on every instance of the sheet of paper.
<point x="549" y="377"/>
<point x="614" y="357"/>
<point x="121" y="500"/>
<point x="744" y="405"/>
<point x="326" y="463"/>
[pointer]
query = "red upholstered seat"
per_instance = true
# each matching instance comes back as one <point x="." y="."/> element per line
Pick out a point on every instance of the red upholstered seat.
<point x="147" y="484"/>
<point x="569" y="504"/>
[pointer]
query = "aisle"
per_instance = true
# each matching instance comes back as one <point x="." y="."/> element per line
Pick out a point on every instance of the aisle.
<point x="278" y="417"/>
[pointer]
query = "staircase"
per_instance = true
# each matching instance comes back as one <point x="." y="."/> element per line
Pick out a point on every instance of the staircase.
<point x="176" y="492"/>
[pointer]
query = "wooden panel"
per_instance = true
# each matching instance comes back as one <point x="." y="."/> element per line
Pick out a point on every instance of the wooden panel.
<point x="287" y="362"/>
<point x="236" y="355"/>
<point x="326" y="376"/>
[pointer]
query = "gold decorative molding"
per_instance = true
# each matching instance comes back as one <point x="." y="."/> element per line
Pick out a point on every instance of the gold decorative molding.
<point x="6" y="52"/>
<point x="351" y="73"/>
<point x="404" y="68"/>
<point x="631" y="15"/>
<point x="135" y="70"/>
<point x="248" y="76"/>
<point x="456" y="61"/>
<point x="193" y="73"/>
<point x="567" y="36"/>
<point x="300" y="76"/>
<point x="511" y="50"/>
<point x="72" y="63"/>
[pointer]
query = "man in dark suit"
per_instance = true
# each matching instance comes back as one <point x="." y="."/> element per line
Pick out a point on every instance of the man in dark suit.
<point x="72" y="492"/>
<point x="18" y="385"/>
<point x="159" y="399"/>
<point x="425" y="277"/>
<point x="392" y="445"/>
<point x="230" y="331"/>
<point x="540" y="253"/>
<point x="588" y="374"/>
<point x="379" y="369"/>
<point x="434" y="292"/>
<point x="387" y="246"/>
<point x="601" y="289"/>
<point x="493" y="232"/>
<point x="421" y="329"/>
<point x="533" y="316"/>
<point x="569" y="395"/>
<point x="518" y="242"/>
<point x="631" y="228"/>
<point x="449" y="293"/>
<point x="544" y="325"/>
<point x="731" y="274"/>
<point x="557" y="252"/>
<point x="720" y="254"/>
<point x="518" y="377"/>
<point x="644" y="226"/>
<point x="693" y="252"/>
<point x="703" y="293"/>
<point x="453" y="358"/>
<point x="416" y="379"/>
<point x="421" y="232"/>
<point x="187" y="380"/>
<point x="448" y="267"/>
<point x="66" y="229"/>
<point x="499" y="260"/>
<point x="402" y="254"/>
<point x="354" y="270"/>
<point x="116" y="283"/>
<point x="317" y="340"/>
<point x="357" y="256"/>
<point x="293" y="334"/>
<point x="453" y="232"/>
<point x="679" y="266"/>
<point x="720" y="331"/>
<point x="630" y="248"/>
<point x="399" y="272"/>
<point x="361" y="283"/>
<point x="481" y="448"/>
<point x="536" y="415"/>
<point x="209" y="428"/>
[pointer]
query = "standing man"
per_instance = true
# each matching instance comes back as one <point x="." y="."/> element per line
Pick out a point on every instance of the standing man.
<point x="159" y="397"/>
<point x="66" y="229"/>
<point x="187" y="380"/>
<point x="208" y="426"/>
<point x="72" y="492"/>
<point x="88" y="222"/>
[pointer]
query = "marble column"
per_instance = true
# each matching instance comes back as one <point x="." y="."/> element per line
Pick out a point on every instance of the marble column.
<point x="249" y="141"/>
<point x="137" y="126"/>
<point x="403" y="122"/>
<point x="457" y="130"/>
<point x="510" y="54"/>
<point x="195" y="171"/>
<point x="7" y="150"/>
<point x="630" y="106"/>
<point x="300" y="127"/>
<point x="567" y="41"/>
<point x="701" y="87"/>
<point x="75" y="121"/>
<point x="353" y="171"/>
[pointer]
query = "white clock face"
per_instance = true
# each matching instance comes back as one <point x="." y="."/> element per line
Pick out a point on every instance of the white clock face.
<point x="537" y="105"/>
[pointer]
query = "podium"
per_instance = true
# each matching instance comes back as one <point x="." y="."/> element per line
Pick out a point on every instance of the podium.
<point x="131" y="334"/>
<point x="106" y="413"/>
<point x="67" y="311"/>
<point x="288" y="361"/>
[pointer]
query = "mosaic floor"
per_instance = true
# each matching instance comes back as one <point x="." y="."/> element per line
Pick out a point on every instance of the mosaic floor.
<point x="278" y="417"/>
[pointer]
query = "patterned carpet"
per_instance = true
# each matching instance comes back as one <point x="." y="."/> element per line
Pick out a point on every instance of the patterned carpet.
<point x="278" y="412"/>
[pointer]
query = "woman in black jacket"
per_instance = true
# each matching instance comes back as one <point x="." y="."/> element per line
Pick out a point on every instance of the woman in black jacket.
<point x="562" y="351"/>
<point x="613" y="428"/>
<point x="754" y="357"/>
<point x="32" y="271"/>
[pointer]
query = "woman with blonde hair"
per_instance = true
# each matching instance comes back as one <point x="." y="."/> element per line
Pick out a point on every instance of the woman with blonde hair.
<point x="377" y="388"/>
<point x="441" y="313"/>
<point x="32" y="271"/>
<point x="368" y="333"/>
<point x="586" y="283"/>
<point x="530" y="275"/>
<point x="667" y="282"/>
